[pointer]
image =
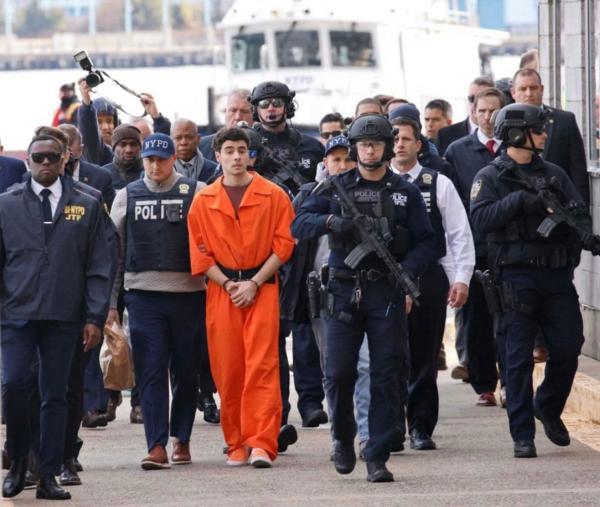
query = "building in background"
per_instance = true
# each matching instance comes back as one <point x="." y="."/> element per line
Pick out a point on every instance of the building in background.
<point x="569" y="43"/>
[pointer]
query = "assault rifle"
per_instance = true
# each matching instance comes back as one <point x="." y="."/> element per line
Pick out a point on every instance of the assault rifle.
<point x="281" y="170"/>
<point x="557" y="212"/>
<point x="370" y="240"/>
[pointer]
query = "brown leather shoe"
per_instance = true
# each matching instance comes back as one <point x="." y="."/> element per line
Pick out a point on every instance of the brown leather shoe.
<point x="181" y="454"/>
<point x="157" y="459"/>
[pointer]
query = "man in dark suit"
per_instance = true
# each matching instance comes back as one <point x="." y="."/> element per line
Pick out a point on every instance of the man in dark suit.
<point x="447" y="135"/>
<point x="86" y="172"/>
<point x="564" y="146"/>
<point x="11" y="171"/>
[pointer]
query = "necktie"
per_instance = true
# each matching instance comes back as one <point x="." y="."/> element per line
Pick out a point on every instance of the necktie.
<point x="46" y="210"/>
<point x="406" y="177"/>
<point x="490" y="146"/>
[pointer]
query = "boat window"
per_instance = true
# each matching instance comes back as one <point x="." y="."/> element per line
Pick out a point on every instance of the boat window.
<point x="298" y="48"/>
<point x="248" y="52"/>
<point x="352" y="49"/>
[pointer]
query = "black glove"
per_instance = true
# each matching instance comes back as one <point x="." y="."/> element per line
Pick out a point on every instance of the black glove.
<point x="339" y="225"/>
<point x="533" y="204"/>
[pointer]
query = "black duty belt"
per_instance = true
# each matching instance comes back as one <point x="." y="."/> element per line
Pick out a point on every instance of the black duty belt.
<point x="538" y="262"/>
<point x="362" y="275"/>
<point x="237" y="275"/>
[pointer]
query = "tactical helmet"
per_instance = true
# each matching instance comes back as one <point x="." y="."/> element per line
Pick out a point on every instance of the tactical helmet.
<point x="270" y="90"/>
<point x="372" y="126"/>
<point x="512" y="123"/>
<point x="256" y="140"/>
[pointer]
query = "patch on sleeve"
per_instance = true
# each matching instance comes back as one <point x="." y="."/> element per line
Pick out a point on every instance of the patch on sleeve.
<point x="475" y="189"/>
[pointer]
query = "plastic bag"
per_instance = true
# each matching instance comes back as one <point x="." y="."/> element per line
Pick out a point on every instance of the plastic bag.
<point x="116" y="359"/>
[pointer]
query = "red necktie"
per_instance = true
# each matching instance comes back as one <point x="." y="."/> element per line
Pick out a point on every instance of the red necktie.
<point x="490" y="146"/>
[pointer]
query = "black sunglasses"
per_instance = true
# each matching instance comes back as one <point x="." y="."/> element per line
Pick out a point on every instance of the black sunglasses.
<point x="52" y="157"/>
<point x="471" y="98"/>
<point x="265" y="103"/>
<point x="333" y="133"/>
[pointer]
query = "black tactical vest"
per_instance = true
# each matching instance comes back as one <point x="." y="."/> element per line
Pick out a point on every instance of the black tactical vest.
<point x="518" y="242"/>
<point x="378" y="204"/>
<point x="157" y="235"/>
<point x="427" y="183"/>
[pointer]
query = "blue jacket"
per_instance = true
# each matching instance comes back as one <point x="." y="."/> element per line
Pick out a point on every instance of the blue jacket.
<point x="94" y="149"/>
<point x="206" y="147"/>
<point x="11" y="172"/>
<point x="67" y="277"/>
<point x="467" y="156"/>
<point x="98" y="178"/>
<point x="409" y="212"/>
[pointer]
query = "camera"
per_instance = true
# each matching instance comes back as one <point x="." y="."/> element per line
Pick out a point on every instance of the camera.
<point x="94" y="77"/>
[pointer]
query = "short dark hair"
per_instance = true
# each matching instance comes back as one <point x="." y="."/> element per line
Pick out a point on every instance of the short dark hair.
<point x="403" y="121"/>
<point x="56" y="134"/>
<point x="490" y="92"/>
<point x="528" y="57"/>
<point x="229" y="134"/>
<point x="483" y="81"/>
<point x="44" y="137"/>
<point x="443" y="105"/>
<point x="331" y="117"/>
<point x="526" y="72"/>
<point x="368" y="100"/>
<point x="393" y="100"/>
<point x="71" y="131"/>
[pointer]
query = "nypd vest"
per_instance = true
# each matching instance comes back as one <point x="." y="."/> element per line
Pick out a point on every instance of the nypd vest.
<point x="157" y="235"/>
<point x="378" y="204"/>
<point x="427" y="183"/>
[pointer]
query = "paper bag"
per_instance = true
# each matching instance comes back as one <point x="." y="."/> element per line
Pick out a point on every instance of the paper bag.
<point x="116" y="360"/>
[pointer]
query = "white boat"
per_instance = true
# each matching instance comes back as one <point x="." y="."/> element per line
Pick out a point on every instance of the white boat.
<point x="335" y="52"/>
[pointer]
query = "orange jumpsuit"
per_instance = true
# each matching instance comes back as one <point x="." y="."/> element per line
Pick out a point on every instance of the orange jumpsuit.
<point x="243" y="342"/>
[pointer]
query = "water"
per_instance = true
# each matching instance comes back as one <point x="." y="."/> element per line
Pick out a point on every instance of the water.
<point x="29" y="98"/>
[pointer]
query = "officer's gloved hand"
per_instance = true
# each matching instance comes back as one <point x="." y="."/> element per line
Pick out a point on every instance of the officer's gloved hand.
<point x="340" y="225"/>
<point x="533" y="204"/>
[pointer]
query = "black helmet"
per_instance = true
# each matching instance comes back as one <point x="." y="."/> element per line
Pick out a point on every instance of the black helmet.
<point x="270" y="90"/>
<point x="372" y="126"/>
<point x="512" y="123"/>
<point x="256" y="140"/>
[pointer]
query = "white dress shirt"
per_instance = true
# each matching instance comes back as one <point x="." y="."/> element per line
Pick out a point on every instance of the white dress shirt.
<point x="472" y="126"/>
<point x="55" y="193"/>
<point x="483" y="139"/>
<point x="459" y="261"/>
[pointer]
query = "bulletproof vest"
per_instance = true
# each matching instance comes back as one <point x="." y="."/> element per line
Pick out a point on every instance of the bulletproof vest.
<point x="376" y="203"/>
<point x="427" y="183"/>
<point x="518" y="241"/>
<point x="157" y="235"/>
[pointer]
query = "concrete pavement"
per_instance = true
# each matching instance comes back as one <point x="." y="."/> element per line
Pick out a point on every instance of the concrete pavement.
<point x="473" y="466"/>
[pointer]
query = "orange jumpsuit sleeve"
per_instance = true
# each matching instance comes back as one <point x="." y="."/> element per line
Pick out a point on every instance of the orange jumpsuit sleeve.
<point x="283" y="242"/>
<point x="201" y="259"/>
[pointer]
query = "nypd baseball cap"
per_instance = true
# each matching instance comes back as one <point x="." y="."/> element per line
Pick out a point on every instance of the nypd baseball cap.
<point x="158" y="145"/>
<point x="337" y="142"/>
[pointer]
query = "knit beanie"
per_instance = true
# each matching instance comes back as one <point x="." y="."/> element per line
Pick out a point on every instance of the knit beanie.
<point x="126" y="131"/>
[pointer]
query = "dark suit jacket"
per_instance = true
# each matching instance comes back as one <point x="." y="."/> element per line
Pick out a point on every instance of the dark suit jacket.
<point x="447" y="135"/>
<point x="98" y="178"/>
<point x="11" y="172"/>
<point x="564" y="148"/>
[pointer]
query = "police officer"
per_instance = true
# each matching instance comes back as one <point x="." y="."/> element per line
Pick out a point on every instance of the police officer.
<point x="446" y="281"/>
<point x="272" y="105"/>
<point x="535" y="273"/>
<point x="365" y="299"/>
<point x="52" y="243"/>
<point x="165" y="303"/>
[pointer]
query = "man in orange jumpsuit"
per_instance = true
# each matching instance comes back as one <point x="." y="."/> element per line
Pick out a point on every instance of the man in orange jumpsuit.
<point x="239" y="236"/>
